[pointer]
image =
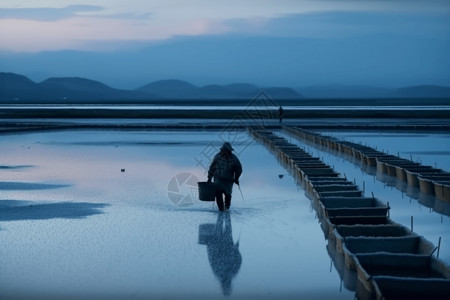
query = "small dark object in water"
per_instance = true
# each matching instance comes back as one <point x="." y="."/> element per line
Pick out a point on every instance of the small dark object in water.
<point x="122" y="170"/>
<point x="280" y="176"/>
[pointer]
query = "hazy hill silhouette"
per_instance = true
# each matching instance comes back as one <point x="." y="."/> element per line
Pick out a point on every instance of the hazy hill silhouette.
<point x="81" y="88"/>
<point x="171" y="88"/>
<point x="178" y="89"/>
<point x="18" y="88"/>
<point x="15" y="87"/>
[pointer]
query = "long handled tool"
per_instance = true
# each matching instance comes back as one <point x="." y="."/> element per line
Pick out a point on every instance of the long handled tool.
<point x="241" y="192"/>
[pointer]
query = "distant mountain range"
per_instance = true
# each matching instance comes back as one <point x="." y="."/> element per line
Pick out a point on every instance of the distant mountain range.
<point x="14" y="87"/>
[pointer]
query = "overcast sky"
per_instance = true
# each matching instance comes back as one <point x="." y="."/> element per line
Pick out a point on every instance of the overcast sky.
<point x="267" y="42"/>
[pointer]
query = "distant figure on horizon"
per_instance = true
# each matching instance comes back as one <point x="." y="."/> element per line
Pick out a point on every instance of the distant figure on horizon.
<point x="280" y="114"/>
<point x="226" y="170"/>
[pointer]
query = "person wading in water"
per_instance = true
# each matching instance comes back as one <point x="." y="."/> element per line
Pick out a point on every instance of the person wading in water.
<point x="226" y="170"/>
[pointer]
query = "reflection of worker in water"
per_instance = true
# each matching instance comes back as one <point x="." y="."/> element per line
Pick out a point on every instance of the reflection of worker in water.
<point x="223" y="254"/>
<point x="226" y="170"/>
<point x="280" y="114"/>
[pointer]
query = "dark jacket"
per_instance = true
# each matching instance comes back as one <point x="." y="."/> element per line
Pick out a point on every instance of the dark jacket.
<point x="225" y="168"/>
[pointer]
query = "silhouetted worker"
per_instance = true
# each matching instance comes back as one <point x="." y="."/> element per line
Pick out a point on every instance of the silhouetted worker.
<point x="226" y="170"/>
<point x="223" y="255"/>
<point x="280" y="114"/>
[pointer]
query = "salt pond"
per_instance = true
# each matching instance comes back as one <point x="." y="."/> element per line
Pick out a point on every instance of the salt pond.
<point x="88" y="214"/>
<point x="105" y="214"/>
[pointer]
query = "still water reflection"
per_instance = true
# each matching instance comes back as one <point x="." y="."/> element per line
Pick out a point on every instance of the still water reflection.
<point x="223" y="254"/>
<point x="140" y="243"/>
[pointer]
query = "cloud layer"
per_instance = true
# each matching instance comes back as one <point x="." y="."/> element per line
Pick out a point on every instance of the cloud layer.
<point x="97" y="25"/>
<point x="268" y="42"/>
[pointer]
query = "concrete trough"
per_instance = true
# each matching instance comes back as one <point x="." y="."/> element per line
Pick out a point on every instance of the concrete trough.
<point x="392" y="166"/>
<point x="299" y="158"/>
<point x="300" y="154"/>
<point x="335" y="190"/>
<point x="383" y="161"/>
<point x="327" y="178"/>
<point x="352" y="206"/>
<point x="346" y="148"/>
<point x="307" y="174"/>
<point x="326" y="170"/>
<point x="311" y="184"/>
<point x="404" y="244"/>
<point x="401" y="170"/>
<point x="442" y="190"/>
<point x="412" y="176"/>
<point x="341" y="232"/>
<point x="306" y="157"/>
<point x="290" y="150"/>
<point x="360" y="151"/>
<point x="356" y="153"/>
<point x="329" y="224"/>
<point x="303" y="160"/>
<point x="399" y="265"/>
<point x="300" y="167"/>
<point x="287" y="148"/>
<point x="341" y="193"/>
<point x="387" y="287"/>
<point x="331" y="143"/>
<point x="370" y="159"/>
<point x="285" y="158"/>
<point x="426" y="181"/>
<point x="317" y="172"/>
<point x="280" y="143"/>
<point x="283" y="144"/>
<point x="294" y="152"/>
<point x="335" y="187"/>
<point x="310" y="165"/>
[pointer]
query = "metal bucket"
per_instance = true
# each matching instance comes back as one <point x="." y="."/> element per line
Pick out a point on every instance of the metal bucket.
<point x="206" y="191"/>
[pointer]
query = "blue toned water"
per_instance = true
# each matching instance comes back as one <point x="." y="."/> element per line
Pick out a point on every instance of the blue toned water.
<point x="110" y="213"/>
<point x="88" y="214"/>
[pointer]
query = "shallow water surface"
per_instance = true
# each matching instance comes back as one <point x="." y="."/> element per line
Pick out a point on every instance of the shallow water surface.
<point x="91" y="216"/>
